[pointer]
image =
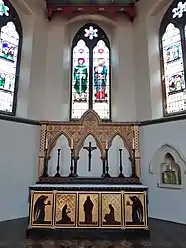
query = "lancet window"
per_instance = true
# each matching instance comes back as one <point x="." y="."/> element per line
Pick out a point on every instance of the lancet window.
<point x="91" y="74"/>
<point x="10" y="49"/>
<point x="173" y="58"/>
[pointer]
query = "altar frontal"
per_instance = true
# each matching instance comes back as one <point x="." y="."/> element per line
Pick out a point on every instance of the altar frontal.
<point x="90" y="207"/>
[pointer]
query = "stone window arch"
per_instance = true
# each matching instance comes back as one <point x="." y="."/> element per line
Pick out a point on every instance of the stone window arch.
<point x="10" y="56"/>
<point x="173" y="58"/>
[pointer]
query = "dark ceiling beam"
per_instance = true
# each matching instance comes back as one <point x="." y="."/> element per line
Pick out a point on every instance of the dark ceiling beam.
<point x="109" y="9"/>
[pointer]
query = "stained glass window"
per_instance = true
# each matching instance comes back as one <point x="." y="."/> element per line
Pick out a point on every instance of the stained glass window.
<point x="101" y="96"/>
<point x="173" y="63"/>
<point x="80" y="85"/>
<point x="90" y="72"/>
<point x="10" y="45"/>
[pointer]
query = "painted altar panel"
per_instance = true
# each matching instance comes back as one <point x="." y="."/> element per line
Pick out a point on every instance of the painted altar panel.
<point x="88" y="213"/>
<point x="135" y="211"/>
<point x="111" y="210"/>
<point x="65" y="210"/>
<point x="88" y="209"/>
<point x="42" y="204"/>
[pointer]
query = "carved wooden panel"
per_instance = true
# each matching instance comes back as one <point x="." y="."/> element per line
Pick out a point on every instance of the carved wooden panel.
<point x="90" y="124"/>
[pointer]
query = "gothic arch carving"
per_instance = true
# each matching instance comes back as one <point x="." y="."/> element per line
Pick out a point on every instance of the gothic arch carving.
<point x="90" y="124"/>
<point x="82" y="140"/>
<point x="90" y="117"/>
<point x="123" y="139"/>
<point x="158" y="157"/>
<point x="55" y="138"/>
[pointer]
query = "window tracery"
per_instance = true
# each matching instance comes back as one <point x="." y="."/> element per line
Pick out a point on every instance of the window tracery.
<point x="91" y="77"/>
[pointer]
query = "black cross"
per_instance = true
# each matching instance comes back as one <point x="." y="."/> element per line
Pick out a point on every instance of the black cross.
<point x="89" y="149"/>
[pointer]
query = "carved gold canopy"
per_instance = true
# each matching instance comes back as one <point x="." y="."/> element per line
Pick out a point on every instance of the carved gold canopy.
<point x="90" y="124"/>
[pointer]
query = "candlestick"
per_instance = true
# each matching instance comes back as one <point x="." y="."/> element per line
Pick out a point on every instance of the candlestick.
<point x="71" y="164"/>
<point x="76" y="158"/>
<point x="45" y="169"/>
<point x="107" y="166"/>
<point x="133" y="162"/>
<point x="58" y="167"/>
<point x="121" y="167"/>
<point x="104" y="164"/>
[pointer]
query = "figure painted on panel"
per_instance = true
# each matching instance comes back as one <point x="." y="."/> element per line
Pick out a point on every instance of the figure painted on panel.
<point x="65" y="218"/>
<point x="80" y="78"/>
<point x="39" y="210"/>
<point x="88" y="208"/>
<point x="110" y="217"/>
<point x="100" y="79"/>
<point x="137" y="210"/>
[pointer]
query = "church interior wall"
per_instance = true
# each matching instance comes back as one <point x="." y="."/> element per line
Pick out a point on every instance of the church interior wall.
<point x="58" y="71"/>
<point x="30" y="104"/>
<point x="152" y="137"/>
<point x="164" y="203"/>
<point x="19" y="162"/>
<point x="147" y="63"/>
<point x="44" y="94"/>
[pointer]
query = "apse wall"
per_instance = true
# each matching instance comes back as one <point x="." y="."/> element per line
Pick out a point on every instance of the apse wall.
<point x="164" y="203"/>
<point x="148" y="90"/>
<point x="31" y="85"/>
<point x="19" y="150"/>
<point x="58" y="66"/>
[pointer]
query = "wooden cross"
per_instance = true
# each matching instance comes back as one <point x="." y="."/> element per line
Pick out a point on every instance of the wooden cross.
<point x="89" y="149"/>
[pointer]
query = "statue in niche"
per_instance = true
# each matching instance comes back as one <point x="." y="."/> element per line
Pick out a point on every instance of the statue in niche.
<point x="171" y="173"/>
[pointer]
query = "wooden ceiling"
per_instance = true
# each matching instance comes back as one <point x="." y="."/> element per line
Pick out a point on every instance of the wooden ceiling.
<point x="108" y="8"/>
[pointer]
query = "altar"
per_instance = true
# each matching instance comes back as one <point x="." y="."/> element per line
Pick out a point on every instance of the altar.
<point x="112" y="203"/>
<point x="93" y="207"/>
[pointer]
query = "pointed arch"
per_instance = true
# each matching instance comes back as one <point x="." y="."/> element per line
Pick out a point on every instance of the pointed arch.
<point x="123" y="139"/>
<point x="82" y="140"/>
<point x="10" y="56"/>
<point x="55" y="138"/>
<point x="90" y="72"/>
<point x="173" y="58"/>
<point x="160" y="153"/>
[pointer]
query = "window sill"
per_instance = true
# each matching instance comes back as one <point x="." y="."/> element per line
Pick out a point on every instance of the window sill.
<point x="169" y="186"/>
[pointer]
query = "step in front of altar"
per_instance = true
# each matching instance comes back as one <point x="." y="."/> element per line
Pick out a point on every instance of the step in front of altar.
<point x="88" y="207"/>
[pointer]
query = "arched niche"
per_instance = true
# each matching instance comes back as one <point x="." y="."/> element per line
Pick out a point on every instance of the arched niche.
<point x="114" y="157"/>
<point x="170" y="171"/>
<point x="168" y="166"/>
<point x="95" y="169"/>
<point x="64" y="159"/>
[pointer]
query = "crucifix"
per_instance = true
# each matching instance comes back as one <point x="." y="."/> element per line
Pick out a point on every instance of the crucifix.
<point x="89" y="149"/>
